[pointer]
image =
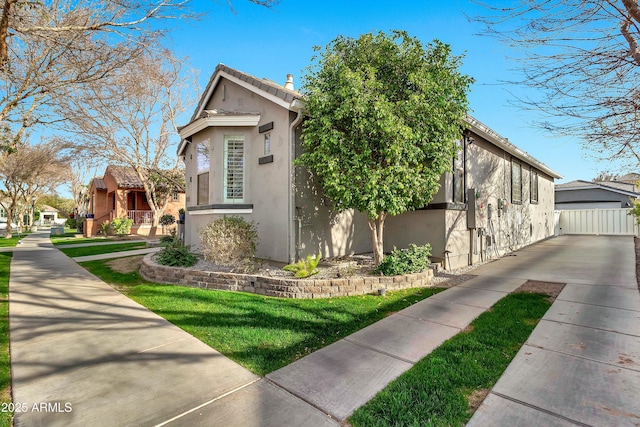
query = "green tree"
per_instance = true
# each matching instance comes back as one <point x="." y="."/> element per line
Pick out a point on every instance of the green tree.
<point x="384" y="113"/>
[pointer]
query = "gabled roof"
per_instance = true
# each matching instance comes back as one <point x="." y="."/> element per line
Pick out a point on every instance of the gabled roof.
<point x="125" y="176"/>
<point x="268" y="89"/>
<point x="630" y="177"/>
<point x="615" y="187"/>
<point x="264" y="87"/>
<point x="47" y="208"/>
<point x="294" y="101"/>
<point x="99" y="183"/>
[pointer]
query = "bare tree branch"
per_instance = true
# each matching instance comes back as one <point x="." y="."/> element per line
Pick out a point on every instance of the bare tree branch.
<point x="582" y="60"/>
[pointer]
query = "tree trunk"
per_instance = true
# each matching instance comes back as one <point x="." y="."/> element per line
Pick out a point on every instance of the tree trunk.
<point x="4" y="32"/>
<point x="377" y="228"/>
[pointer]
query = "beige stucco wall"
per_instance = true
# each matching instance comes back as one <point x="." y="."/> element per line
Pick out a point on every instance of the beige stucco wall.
<point x="489" y="173"/>
<point x="265" y="186"/>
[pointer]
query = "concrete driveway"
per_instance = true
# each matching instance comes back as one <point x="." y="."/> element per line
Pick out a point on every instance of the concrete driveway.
<point x="581" y="365"/>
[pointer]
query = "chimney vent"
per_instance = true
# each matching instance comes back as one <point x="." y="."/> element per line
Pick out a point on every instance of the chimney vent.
<point x="289" y="82"/>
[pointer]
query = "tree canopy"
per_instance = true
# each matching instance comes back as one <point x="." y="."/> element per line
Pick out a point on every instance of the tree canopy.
<point x="384" y="113"/>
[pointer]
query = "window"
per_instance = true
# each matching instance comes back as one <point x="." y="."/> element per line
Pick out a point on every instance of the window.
<point x="458" y="174"/>
<point x="175" y="196"/>
<point x="267" y="144"/>
<point x="516" y="182"/>
<point x="203" y="161"/>
<point x="233" y="179"/>
<point x="534" y="186"/>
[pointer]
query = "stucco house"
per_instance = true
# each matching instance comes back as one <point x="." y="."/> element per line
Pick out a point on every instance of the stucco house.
<point x="120" y="194"/>
<point x="581" y="194"/>
<point x="48" y="215"/>
<point x="239" y="149"/>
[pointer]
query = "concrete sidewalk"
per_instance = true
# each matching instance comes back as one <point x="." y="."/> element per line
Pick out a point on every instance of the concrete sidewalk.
<point x="120" y="254"/>
<point x="85" y="355"/>
<point x="581" y="365"/>
<point x="75" y="340"/>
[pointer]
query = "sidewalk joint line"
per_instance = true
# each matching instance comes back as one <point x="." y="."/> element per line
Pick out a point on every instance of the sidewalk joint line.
<point x="161" y="345"/>
<point x="598" y="305"/>
<point x="164" y="423"/>
<point x="590" y="327"/>
<point x="546" y="411"/>
<point x="582" y="357"/>
<point x="424" y="319"/>
<point x="380" y="351"/>
<point x="324" y="411"/>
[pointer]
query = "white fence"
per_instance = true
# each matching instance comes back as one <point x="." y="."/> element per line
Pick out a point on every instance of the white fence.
<point x="596" y="221"/>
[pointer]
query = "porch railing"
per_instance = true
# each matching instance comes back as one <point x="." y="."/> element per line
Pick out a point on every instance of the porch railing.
<point x="140" y="217"/>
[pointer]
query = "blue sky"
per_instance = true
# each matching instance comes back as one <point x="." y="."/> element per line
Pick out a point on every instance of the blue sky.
<point x="271" y="43"/>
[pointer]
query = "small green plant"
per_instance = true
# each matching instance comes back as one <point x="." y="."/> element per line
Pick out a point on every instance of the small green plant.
<point x="167" y="219"/>
<point x="181" y="211"/>
<point x="635" y="210"/>
<point x="228" y="240"/>
<point x="413" y="259"/>
<point x="121" y="226"/>
<point x="175" y="254"/>
<point x="305" y="267"/>
<point x="71" y="223"/>
<point x="104" y="227"/>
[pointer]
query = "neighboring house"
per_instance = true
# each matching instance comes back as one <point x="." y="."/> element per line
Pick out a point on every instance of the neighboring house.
<point x="48" y="215"/>
<point x="120" y="194"/>
<point x="597" y="195"/>
<point x="239" y="149"/>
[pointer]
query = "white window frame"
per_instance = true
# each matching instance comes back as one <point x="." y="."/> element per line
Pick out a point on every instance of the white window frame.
<point x="535" y="189"/>
<point x="516" y="182"/>
<point x="234" y="166"/>
<point x="203" y="166"/>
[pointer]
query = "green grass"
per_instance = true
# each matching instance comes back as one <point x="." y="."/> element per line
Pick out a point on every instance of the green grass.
<point x="435" y="391"/>
<point x="103" y="249"/>
<point x="70" y="239"/>
<point x="5" y="365"/>
<point x="8" y="243"/>
<point x="261" y="333"/>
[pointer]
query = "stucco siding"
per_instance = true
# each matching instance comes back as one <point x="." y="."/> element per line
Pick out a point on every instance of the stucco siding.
<point x="418" y="227"/>
<point x="266" y="186"/>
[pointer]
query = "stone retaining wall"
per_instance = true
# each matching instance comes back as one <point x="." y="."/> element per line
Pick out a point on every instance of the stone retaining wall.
<point x="276" y="286"/>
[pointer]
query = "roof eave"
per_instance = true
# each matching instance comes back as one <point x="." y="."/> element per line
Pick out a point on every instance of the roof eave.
<point x="501" y="142"/>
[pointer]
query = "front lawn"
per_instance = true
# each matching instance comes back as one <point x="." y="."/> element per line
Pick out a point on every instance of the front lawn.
<point x="437" y="390"/>
<point x="71" y="239"/>
<point x="9" y="243"/>
<point x="5" y="366"/>
<point x="103" y="249"/>
<point x="261" y="333"/>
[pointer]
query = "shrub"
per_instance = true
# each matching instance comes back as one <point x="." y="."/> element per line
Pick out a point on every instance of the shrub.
<point x="175" y="254"/>
<point x="80" y="224"/>
<point x="635" y="210"/>
<point x="71" y="222"/>
<point x="121" y="226"/>
<point x="164" y="240"/>
<point x="104" y="227"/>
<point x="413" y="259"/>
<point x="305" y="267"/>
<point x="167" y="219"/>
<point x="228" y="240"/>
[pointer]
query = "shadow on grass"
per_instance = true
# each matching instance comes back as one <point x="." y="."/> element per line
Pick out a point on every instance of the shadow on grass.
<point x="439" y="389"/>
<point x="5" y="364"/>
<point x="261" y="333"/>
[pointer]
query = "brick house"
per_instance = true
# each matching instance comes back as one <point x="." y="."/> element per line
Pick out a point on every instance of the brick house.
<point x="120" y="194"/>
